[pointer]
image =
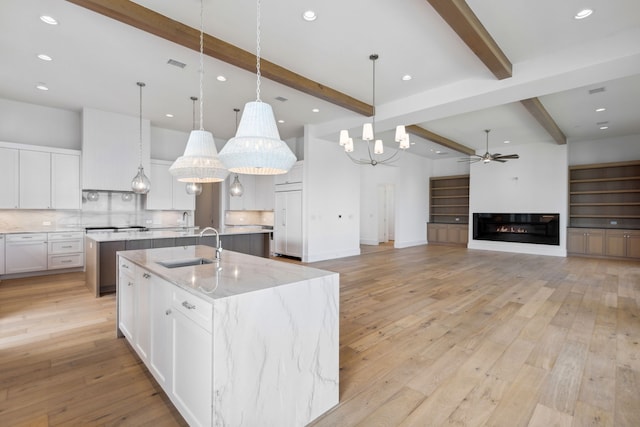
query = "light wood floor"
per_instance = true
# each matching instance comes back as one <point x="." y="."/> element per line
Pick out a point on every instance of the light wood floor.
<point x="430" y="335"/>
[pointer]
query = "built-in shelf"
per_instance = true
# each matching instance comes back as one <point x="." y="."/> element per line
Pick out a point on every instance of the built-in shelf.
<point x="605" y="195"/>
<point x="449" y="199"/>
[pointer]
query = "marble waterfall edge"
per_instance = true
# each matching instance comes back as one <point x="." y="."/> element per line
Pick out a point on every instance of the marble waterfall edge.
<point x="276" y="354"/>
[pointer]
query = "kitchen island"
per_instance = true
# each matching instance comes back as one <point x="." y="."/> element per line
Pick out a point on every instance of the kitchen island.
<point x="243" y="341"/>
<point x="101" y="248"/>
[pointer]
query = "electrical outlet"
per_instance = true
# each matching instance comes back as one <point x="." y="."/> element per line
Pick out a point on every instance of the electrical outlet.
<point x="46" y="222"/>
<point x="148" y="221"/>
<point x="613" y="222"/>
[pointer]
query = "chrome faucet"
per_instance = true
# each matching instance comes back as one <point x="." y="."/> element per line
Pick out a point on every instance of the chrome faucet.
<point x="218" y="242"/>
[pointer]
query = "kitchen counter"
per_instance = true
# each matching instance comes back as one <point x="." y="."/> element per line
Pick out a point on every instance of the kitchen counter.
<point x="236" y="274"/>
<point x="101" y="248"/>
<point x="243" y="341"/>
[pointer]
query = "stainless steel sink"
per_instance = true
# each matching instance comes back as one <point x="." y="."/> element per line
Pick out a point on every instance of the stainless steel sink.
<point x="186" y="262"/>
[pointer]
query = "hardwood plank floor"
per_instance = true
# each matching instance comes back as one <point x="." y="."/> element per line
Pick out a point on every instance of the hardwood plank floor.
<point x="430" y="335"/>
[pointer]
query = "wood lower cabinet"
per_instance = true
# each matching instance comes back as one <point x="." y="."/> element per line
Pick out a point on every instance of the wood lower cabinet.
<point x="601" y="242"/>
<point x="623" y="243"/>
<point x="585" y="241"/>
<point x="449" y="234"/>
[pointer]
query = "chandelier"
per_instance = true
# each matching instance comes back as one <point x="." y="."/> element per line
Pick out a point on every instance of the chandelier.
<point x="368" y="135"/>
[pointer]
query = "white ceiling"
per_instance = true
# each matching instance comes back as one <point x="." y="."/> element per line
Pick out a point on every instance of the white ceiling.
<point x="97" y="62"/>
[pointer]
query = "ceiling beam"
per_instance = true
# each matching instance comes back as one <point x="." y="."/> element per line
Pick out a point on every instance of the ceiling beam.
<point x="133" y="14"/>
<point x="537" y="110"/>
<point x="466" y="24"/>
<point x="438" y="139"/>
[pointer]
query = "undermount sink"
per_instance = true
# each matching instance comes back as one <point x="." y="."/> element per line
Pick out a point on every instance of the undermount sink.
<point x="187" y="262"/>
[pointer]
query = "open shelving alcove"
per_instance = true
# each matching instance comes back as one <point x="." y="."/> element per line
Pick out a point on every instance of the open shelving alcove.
<point x="449" y="209"/>
<point x="604" y="209"/>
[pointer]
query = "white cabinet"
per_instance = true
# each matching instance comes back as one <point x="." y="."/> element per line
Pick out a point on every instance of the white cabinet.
<point x="25" y="252"/>
<point x="126" y="298"/>
<point x="170" y="329"/>
<point x="142" y="335"/>
<point x="111" y="149"/>
<point x="65" y="181"/>
<point x="35" y="179"/>
<point x="160" y="359"/>
<point x="192" y="357"/>
<point x="66" y="250"/>
<point x="287" y="232"/>
<point x="10" y="178"/>
<point x="1" y="253"/>
<point x="293" y="176"/>
<point x="167" y="193"/>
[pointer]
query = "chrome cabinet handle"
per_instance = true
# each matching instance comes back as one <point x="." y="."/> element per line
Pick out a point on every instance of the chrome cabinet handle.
<point x="130" y="284"/>
<point x="168" y="312"/>
<point x="125" y="266"/>
<point x="146" y="275"/>
<point x="188" y="306"/>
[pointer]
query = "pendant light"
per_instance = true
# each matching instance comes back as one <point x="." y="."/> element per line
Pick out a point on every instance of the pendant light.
<point x="236" y="189"/>
<point x="257" y="148"/>
<point x="140" y="183"/>
<point x="194" y="188"/>
<point x="200" y="162"/>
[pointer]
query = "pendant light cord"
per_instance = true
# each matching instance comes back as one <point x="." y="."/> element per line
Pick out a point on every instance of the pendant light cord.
<point x="201" y="62"/>
<point x="141" y="85"/>
<point x="373" y="58"/>
<point x="258" y="51"/>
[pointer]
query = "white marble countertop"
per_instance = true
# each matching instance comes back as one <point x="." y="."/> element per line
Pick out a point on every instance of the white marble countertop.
<point x="234" y="274"/>
<point x="110" y="236"/>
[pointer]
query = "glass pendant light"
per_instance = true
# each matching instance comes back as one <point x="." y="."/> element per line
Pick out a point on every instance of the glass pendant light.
<point x="236" y="189"/>
<point x="200" y="162"/>
<point x="140" y="183"/>
<point x="257" y="148"/>
<point x="194" y="188"/>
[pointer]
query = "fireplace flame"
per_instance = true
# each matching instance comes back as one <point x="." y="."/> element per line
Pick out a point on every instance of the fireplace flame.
<point x="505" y="229"/>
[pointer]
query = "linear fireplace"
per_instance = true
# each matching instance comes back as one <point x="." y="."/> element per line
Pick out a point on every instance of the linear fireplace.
<point x="517" y="227"/>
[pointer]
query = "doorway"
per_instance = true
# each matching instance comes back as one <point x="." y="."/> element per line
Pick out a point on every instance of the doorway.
<point x="386" y="213"/>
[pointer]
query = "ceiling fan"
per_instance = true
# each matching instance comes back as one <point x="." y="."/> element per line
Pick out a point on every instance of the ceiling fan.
<point x="488" y="157"/>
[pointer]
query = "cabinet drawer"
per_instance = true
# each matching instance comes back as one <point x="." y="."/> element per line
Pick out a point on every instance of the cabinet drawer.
<point x="65" y="261"/>
<point x="195" y="308"/>
<point x="65" y="246"/>
<point x="66" y="235"/>
<point x="126" y="267"/>
<point x="26" y="237"/>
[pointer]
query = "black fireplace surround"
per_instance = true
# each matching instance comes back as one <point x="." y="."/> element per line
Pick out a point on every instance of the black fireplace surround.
<point x="537" y="228"/>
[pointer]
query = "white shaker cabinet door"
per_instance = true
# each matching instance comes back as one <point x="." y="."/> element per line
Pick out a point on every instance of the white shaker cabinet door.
<point x="9" y="176"/>
<point x="35" y="180"/>
<point x="65" y="181"/>
<point x="160" y="195"/>
<point x="161" y="332"/>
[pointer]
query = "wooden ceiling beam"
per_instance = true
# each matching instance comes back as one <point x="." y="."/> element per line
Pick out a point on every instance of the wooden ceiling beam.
<point x="137" y="16"/>
<point x="466" y="24"/>
<point x="438" y="139"/>
<point x="537" y="110"/>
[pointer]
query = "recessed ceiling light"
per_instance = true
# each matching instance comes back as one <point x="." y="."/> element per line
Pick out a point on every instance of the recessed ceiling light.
<point x="45" y="57"/>
<point x="406" y="77"/>
<point x="583" y="14"/>
<point x="604" y="127"/>
<point x="598" y="110"/>
<point x="507" y="141"/>
<point x="48" y="20"/>
<point x="42" y="86"/>
<point x="280" y="121"/>
<point x="221" y="78"/>
<point x="316" y="110"/>
<point x="309" y="15"/>
<point x="169" y="115"/>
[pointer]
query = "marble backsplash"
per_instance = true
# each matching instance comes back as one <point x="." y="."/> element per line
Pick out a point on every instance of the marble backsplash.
<point x="110" y="208"/>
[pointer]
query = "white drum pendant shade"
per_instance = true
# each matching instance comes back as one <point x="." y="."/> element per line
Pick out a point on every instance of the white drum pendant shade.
<point x="200" y="162"/>
<point x="257" y="148"/>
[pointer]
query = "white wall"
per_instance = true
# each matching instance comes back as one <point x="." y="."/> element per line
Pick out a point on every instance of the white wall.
<point x="535" y="183"/>
<point x="412" y="201"/>
<point x="37" y="125"/>
<point x="331" y="202"/>
<point x="447" y="167"/>
<point x="605" y="150"/>
<point x="167" y="144"/>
